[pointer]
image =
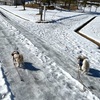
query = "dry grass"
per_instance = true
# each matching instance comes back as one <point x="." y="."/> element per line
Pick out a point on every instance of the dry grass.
<point x="50" y="7"/>
<point x="37" y="6"/>
<point x="72" y="7"/>
<point x="32" y="5"/>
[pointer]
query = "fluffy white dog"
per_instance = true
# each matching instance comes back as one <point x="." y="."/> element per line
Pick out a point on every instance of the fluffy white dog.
<point x="17" y="59"/>
<point x="83" y="64"/>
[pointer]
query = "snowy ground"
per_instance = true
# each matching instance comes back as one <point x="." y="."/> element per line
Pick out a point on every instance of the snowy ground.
<point x="4" y="89"/>
<point x="55" y="47"/>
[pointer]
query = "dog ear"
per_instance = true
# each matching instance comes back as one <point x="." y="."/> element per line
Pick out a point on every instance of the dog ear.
<point x="79" y="57"/>
<point x="17" y="52"/>
<point x="12" y="54"/>
<point x="84" y="57"/>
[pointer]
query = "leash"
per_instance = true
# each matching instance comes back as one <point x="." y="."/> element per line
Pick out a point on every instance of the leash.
<point x="21" y="78"/>
<point x="80" y="80"/>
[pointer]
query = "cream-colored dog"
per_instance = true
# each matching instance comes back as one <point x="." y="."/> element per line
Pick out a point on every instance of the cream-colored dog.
<point x="17" y="59"/>
<point x="83" y="64"/>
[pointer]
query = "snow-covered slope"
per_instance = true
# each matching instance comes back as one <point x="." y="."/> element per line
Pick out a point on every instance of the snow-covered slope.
<point x="47" y="41"/>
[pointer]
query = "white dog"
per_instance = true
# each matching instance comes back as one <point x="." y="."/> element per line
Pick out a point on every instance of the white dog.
<point x="83" y="64"/>
<point x="17" y="59"/>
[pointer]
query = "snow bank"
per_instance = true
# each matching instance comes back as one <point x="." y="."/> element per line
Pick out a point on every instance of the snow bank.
<point x="4" y="89"/>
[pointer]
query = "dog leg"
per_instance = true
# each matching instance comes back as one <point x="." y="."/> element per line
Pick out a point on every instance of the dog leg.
<point x="85" y="72"/>
<point x="16" y="64"/>
<point x="79" y="67"/>
<point x="85" y="69"/>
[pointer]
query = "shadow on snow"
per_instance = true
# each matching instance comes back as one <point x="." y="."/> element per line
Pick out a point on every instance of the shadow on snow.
<point x="8" y="85"/>
<point x="29" y="66"/>
<point x="53" y="21"/>
<point x="94" y="73"/>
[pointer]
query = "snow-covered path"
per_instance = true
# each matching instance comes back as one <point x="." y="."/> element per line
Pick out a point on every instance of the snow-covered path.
<point x="52" y="79"/>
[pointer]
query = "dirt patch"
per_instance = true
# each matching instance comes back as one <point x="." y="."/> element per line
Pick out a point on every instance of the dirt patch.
<point x="32" y="5"/>
<point x="36" y="5"/>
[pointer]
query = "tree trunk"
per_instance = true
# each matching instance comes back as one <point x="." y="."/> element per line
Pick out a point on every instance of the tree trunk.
<point x="96" y="9"/>
<point x="69" y="4"/>
<point x="65" y="4"/>
<point x="23" y="3"/>
<point x="16" y="3"/>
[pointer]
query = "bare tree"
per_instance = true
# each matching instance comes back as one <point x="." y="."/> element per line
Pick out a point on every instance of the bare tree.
<point x="69" y="5"/>
<point x="84" y="3"/>
<point x="95" y="3"/>
<point x="16" y="3"/>
<point x="40" y="10"/>
<point x="23" y="3"/>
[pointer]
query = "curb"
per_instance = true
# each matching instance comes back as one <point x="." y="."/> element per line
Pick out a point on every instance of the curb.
<point x="85" y="36"/>
<point x="15" y="14"/>
<point x="91" y="39"/>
